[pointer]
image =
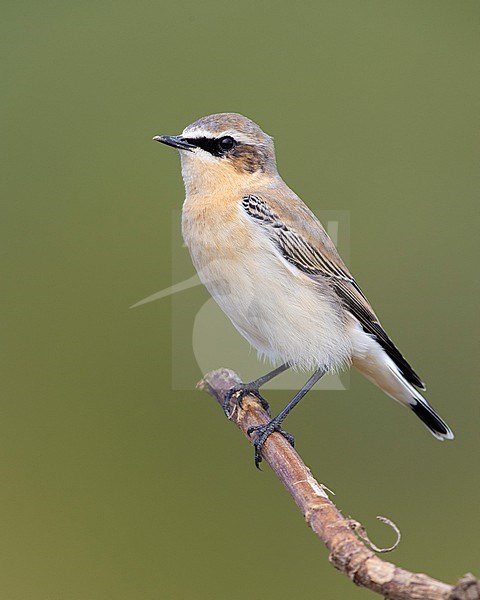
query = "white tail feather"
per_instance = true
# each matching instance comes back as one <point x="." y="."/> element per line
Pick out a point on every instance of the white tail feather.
<point x="375" y="365"/>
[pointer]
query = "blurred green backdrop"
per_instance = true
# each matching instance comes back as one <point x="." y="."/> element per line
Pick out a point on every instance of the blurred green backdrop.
<point x="116" y="487"/>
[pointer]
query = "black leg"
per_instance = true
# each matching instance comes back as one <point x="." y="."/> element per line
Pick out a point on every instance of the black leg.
<point x="264" y="431"/>
<point x="266" y="378"/>
<point x="243" y="389"/>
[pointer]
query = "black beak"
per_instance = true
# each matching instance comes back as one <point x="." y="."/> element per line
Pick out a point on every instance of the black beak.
<point x="177" y="141"/>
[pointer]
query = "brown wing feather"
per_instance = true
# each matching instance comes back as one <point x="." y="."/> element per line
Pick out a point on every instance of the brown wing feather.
<point x="303" y="242"/>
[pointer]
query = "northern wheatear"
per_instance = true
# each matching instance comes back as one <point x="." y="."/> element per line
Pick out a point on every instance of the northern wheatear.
<point x="269" y="264"/>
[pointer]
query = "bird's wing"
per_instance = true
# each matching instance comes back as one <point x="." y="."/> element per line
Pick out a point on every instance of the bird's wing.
<point x="303" y="242"/>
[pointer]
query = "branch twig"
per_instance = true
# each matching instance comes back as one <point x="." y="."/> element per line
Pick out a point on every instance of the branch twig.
<point x="347" y="552"/>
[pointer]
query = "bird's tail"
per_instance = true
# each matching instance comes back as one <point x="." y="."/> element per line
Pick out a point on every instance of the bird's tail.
<point x="379" y="368"/>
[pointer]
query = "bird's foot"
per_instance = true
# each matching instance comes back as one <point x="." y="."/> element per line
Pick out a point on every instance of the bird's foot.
<point x="263" y="433"/>
<point x="238" y="392"/>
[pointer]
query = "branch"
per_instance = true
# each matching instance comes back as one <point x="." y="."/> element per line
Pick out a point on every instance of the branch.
<point x="347" y="552"/>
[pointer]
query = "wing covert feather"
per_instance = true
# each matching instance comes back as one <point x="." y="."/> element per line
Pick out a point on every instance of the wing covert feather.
<point x="304" y="243"/>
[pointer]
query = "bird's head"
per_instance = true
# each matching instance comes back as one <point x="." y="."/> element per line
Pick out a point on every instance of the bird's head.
<point x="220" y="148"/>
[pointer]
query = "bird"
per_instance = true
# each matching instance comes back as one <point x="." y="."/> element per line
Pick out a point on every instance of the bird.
<point x="271" y="267"/>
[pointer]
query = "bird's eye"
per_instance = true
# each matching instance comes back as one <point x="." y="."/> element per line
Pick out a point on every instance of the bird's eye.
<point x="226" y="143"/>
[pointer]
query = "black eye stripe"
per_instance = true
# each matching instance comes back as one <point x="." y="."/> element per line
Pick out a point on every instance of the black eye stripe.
<point x="211" y="145"/>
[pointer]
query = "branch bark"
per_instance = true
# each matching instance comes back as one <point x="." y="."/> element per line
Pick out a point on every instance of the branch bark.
<point x="347" y="552"/>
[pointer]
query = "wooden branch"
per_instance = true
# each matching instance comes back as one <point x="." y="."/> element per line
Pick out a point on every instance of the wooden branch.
<point x="347" y="552"/>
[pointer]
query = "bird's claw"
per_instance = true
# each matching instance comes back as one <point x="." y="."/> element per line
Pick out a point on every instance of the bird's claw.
<point x="263" y="433"/>
<point x="238" y="393"/>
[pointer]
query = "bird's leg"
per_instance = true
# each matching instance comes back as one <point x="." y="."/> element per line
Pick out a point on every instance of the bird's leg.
<point x="238" y="392"/>
<point x="264" y="431"/>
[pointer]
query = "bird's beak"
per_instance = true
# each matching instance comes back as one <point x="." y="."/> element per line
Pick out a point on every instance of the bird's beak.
<point x="177" y="141"/>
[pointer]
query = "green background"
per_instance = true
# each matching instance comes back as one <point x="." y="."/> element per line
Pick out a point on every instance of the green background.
<point x="114" y="485"/>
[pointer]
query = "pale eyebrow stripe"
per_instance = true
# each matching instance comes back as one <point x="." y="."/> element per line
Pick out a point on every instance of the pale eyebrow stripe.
<point x="203" y="133"/>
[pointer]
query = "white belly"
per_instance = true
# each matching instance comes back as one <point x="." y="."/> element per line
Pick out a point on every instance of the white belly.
<point x="280" y="311"/>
